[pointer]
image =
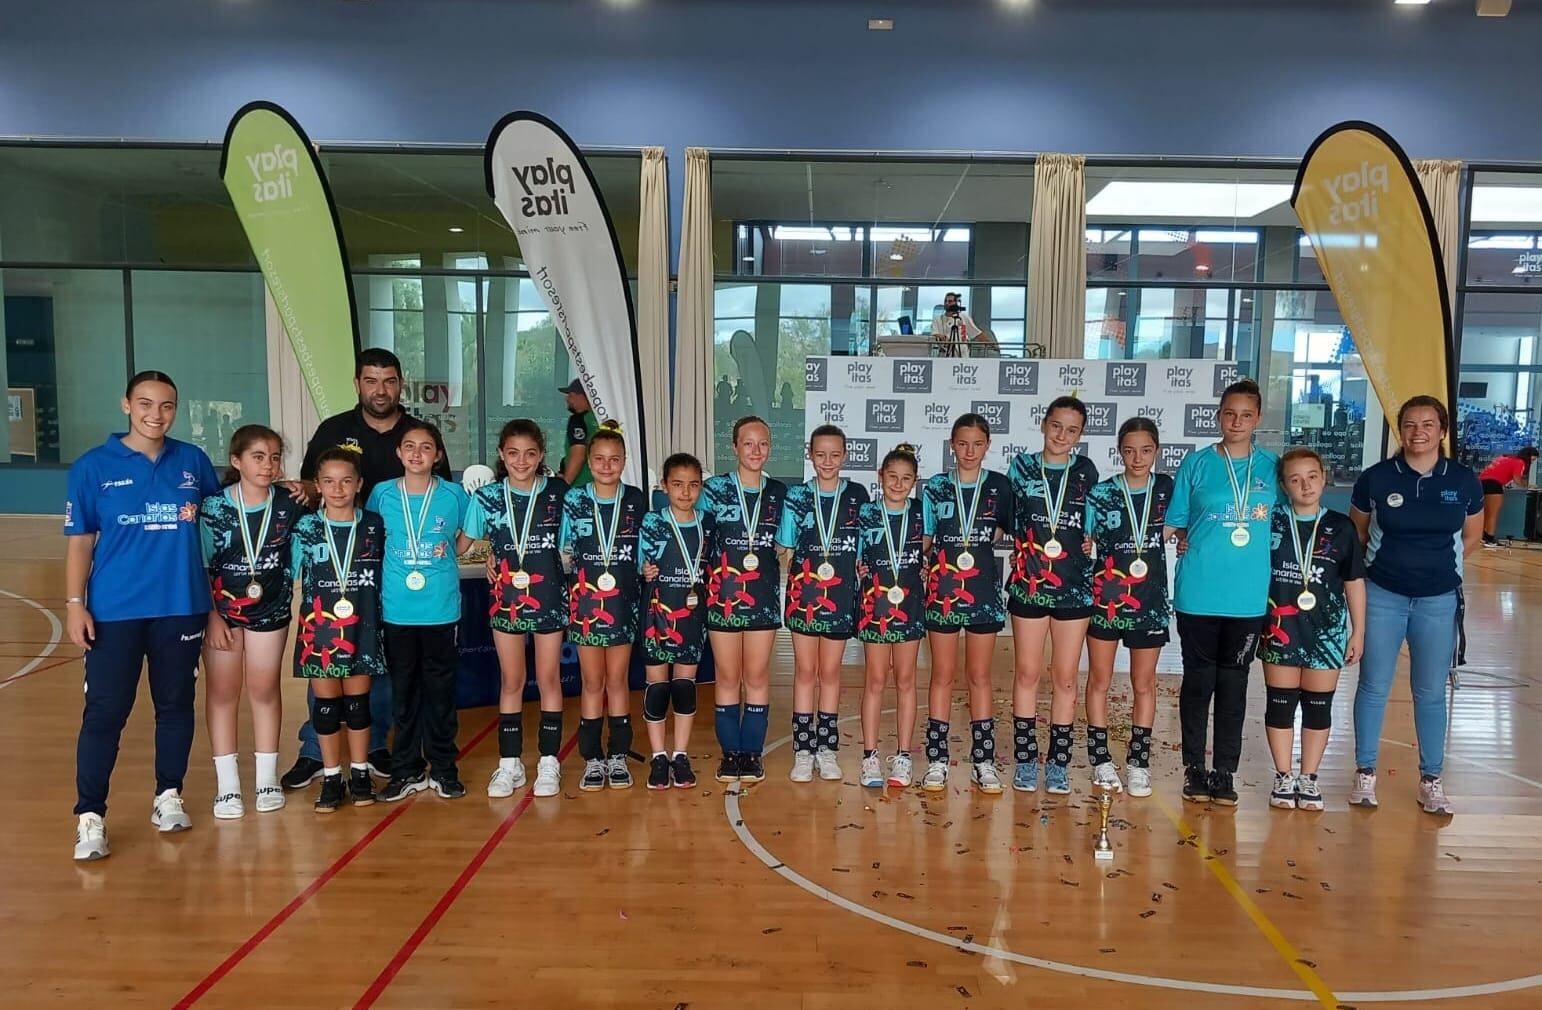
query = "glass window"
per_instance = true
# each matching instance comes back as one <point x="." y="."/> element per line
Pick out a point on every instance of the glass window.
<point x="526" y="364"/>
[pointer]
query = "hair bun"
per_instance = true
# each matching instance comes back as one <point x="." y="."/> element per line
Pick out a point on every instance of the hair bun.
<point x="610" y="424"/>
<point x="356" y="449"/>
<point x="906" y="448"/>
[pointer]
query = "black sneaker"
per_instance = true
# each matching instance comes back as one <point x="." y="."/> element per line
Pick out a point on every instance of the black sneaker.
<point x="728" y="768"/>
<point x="1221" y="791"/>
<point x="400" y="788"/>
<point x="360" y="788"/>
<point x="332" y="793"/>
<point x="448" y="786"/>
<point x="380" y="763"/>
<point x="305" y="771"/>
<point x="681" y="771"/>
<point x="658" y="772"/>
<point x="1196" y="785"/>
<point x="751" y="768"/>
<point x="596" y="771"/>
<point x="619" y="776"/>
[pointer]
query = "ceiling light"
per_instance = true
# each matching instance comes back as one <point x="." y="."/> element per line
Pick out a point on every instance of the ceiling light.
<point x="1507" y="205"/>
<point x="749" y="259"/>
<point x="456" y="231"/>
<point x="880" y="24"/>
<point x="1192" y="200"/>
<point x="896" y="256"/>
<point x="1410" y="3"/>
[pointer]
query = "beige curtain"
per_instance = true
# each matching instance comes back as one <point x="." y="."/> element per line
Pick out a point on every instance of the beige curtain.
<point x="1442" y="185"/>
<point x="692" y="431"/>
<point x="653" y="305"/>
<point x="1057" y="255"/>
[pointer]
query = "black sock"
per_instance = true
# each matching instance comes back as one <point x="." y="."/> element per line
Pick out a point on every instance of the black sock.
<point x="982" y="735"/>
<point x="1025" y="739"/>
<point x="869" y="753"/>
<point x="511" y="734"/>
<point x="830" y="731"/>
<point x="1061" y="740"/>
<point x="1140" y="746"/>
<point x="1097" y="746"/>
<point x="803" y="731"/>
<point x="936" y="740"/>
<point x="549" y="736"/>
<point x="589" y="739"/>
<point x="620" y="735"/>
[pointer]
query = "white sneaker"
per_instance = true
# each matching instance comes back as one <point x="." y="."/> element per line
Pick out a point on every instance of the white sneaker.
<point x="228" y="807"/>
<point x="899" y="771"/>
<point x="1432" y="797"/>
<point x="270" y="798"/>
<point x="936" y="778"/>
<point x="506" y="780"/>
<point x="802" y="766"/>
<point x="985" y="778"/>
<point x="1105" y="775"/>
<point x="91" y="838"/>
<point x="872" y="771"/>
<point x="167" y="814"/>
<point x="1139" y="783"/>
<point x="1283" y="795"/>
<point x="548" y="777"/>
<point x="1363" y="794"/>
<point x="829" y="767"/>
<point x="1308" y="793"/>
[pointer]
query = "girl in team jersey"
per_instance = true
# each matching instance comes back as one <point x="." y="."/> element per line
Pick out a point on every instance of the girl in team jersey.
<point x="674" y="546"/>
<point x="964" y="511"/>
<point x="890" y="612"/>
<point x="521" y="516"/>
<point x="600" y="524"/>
<point x="245" y="531"/>
<point x="820" y="535"/>
<point x="1049" y="590"/>
<point x="337" y="554"/>
<point x="1130" y="604"/>
<point x="744" y="609"/>
<point x="1316" y="624"/>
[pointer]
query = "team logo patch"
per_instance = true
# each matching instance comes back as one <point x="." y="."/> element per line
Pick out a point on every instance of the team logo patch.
<point x="1394" y="500"/>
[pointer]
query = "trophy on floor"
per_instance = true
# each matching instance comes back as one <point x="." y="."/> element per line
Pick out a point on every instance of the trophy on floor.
<point x="1103" y="849"/>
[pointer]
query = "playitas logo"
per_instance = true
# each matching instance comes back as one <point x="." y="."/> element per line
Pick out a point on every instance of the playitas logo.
<point x="273" y="173"/>
<point x="1357" y="194"/>
<point x="547" y="186"/>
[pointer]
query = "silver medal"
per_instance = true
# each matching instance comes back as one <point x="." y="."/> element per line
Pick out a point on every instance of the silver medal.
<point x="521" y="580"/>
<point x="751" y="562"/>
<point x="343" y="608"/>
<point x="1306" y="600"/>
<point x="416" y="581"/>
<point x="965" y="561"/>
<point x="1139" y="568"/>
<point x="825" y="571"/>
<point x="1240" y="537"/>
<point x="1053" y="549"/>
<point x="253" y="591"/>
<point x="896" y="595"/>
<point x="606" y="582"/>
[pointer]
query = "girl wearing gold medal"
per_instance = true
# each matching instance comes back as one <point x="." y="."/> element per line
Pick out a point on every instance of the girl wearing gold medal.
<point x="245" y="531"/>
<point x="600" y="524"/>
<point x="520" y="515"/>
<point x="1316" y="624"/>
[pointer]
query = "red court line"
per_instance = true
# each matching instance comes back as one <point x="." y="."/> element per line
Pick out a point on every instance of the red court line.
<point x="39" y="669"/>
<point x="448" y="898"/>
<point x="268" y="928"/>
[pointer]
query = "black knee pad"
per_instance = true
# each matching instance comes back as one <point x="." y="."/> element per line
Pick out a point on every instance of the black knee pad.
<point x="326" y="715"/>
<point x="682" y="694"/>
<point x="1316" y="709"/>
<point x="356" y="711"/>
<point x="1280" y="707"/>
<point x="656" y="701"/>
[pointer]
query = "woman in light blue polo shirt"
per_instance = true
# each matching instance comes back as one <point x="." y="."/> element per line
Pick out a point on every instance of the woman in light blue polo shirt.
<point x="136" y="591"/>
<point x="1420" y="514"/>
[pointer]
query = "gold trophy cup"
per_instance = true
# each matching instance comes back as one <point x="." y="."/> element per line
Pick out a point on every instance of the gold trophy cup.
<point x="1103" y="849"/>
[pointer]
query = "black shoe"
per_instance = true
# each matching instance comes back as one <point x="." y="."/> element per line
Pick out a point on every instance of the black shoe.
<point x="361" y="790"/>
<point x="380" y="763"/>
<point x="751" y="768"/>
<point x="1221" y="791"/>
<point x="400" y="788"/>
<point x="305" y="771"/>
<point x="618" y="775"/>
<point x="658" y="772"/>
<point x="1196" y="785"/>
<point x="728" y="768"/>
<point x="332" y="793"/>
<point x="448" y="786"/>
<point x="681" y="771"/>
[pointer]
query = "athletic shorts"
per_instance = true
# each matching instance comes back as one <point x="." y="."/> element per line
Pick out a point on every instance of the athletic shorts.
<point x="829" y="636"/>
<point x="1493" y="487"/>
<point x="1030" y="612"/>
<point x="984" y="628"/>
<point x="1132" y="638"/>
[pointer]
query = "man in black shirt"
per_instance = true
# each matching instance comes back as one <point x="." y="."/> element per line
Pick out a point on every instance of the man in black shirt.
<point x="374" y="428"/>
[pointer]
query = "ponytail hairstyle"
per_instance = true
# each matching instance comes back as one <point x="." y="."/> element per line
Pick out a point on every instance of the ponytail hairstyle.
<point x="748" y="419"/>
<point x="1526" y="455"/>
<point x="342" y="454"/>
<point x="609" y="431"/>
<point x="971" y="421"/>
<point x="149" y="375"/>
<point x="519" y="427"/>
<point x="902" y="453"/>
<point x="243" y="439"/>
<point x="679" y="461"/>
<point x="1244" y="387"/>
<point x="1067" y="403"/>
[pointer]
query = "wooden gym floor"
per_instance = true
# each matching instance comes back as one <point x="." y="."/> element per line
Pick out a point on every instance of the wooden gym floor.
<point x="823" y="895"/>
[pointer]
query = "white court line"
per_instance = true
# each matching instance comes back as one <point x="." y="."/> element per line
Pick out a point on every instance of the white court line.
<point x="55" y="632"/>
<point x="736" y="821"/>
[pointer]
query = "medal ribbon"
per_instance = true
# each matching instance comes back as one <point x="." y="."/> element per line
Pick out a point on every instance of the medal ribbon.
<point x="1059" y="502"/>
<point x="1303" y="557"/>
<point x="888" y="537"/>
<point x="692" y="562"/>
<point x="825" y="526"/>
<point x="1145" y="518"/>
<point x="343" y="572"/>
<point x="607" y="542"/>
<point x="247" y="547"/>
<point x="1239" y="495"/>
<point x="967" y="524"/>
<point x="415" y="532"/>
<point x="750" y="520"/>
<point x="523" y="539"/>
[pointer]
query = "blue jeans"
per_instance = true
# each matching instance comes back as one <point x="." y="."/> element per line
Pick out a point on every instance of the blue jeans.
<point x="1428" y="624"/>
<point x="381" y="716"/>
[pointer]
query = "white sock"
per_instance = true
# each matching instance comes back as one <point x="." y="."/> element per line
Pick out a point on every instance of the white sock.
<point x="679" y="753"/>
<point x="329" y="772"/>
<point x="659" y="754"/>
<point x="227" y="774"/>
<point x="359" y="766"/>
<point x="508" y="764"/>
<point x="267" y="769"/>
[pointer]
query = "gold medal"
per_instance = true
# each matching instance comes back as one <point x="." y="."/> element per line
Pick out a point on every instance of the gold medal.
<point x="1306" y="601"/>
<point x="691" y="600"/>
<point x="1052" y="549"/>
<point x="253" y="591"/>
<point x="825" y="571"/>
<point x="751" y="562"/>
<point x="965" y="561"/>
<point x="416" y="581"/>
<point x="896" y="595"/>
<point x="1139" y="568"/>
<point x="606" y="582"/>
<point x="1240" y="537"/>
<point x="343" y="608"/>
<point x="521" y="580"/>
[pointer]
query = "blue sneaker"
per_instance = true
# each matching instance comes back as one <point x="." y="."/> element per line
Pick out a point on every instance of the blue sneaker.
<point x="1057" y="779"/>
<point x="1025" y="778"/>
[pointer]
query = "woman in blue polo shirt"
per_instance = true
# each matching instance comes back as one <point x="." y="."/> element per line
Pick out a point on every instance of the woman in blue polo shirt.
<point x="1421" y="514"/>
<point x="136" y="590"/>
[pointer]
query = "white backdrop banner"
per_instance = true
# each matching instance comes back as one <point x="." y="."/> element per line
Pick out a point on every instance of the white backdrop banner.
<point x="543" y="186"/>
<point x="880" y="402"/>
